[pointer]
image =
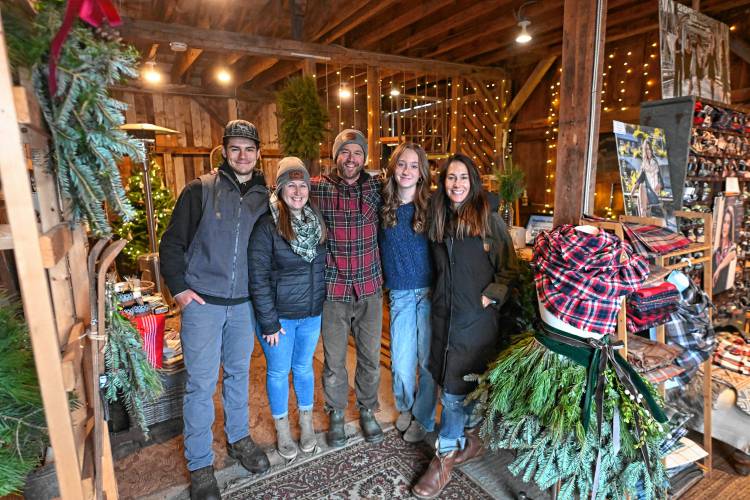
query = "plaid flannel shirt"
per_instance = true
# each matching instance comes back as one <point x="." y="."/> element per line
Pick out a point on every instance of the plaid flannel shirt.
<point x="691" y="329"/>
<point x="733" y="353"/>
<point x="350" y="211"/>
<point x="580" y="278"/>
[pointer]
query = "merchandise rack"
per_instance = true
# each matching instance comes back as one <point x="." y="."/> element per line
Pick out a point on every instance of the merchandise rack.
<point x="662" y="263"/>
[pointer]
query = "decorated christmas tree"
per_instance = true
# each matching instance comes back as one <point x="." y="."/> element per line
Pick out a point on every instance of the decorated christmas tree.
<point x="136" y="229"/>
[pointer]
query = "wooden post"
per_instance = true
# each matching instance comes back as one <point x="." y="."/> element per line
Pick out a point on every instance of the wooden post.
<point x="580" y="93"/>
<point x="35" y="289"/>
<point x="457" y="92"/>
<point x="373" y="117"/>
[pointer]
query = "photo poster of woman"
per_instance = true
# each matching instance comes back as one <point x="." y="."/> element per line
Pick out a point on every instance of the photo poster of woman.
<point x="727" y="221"/>
<point x="694" y="51"/>
<point x="644" y="171"/>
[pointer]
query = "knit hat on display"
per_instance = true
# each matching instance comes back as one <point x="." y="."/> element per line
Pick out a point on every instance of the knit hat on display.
<point x="349" y="136"/>
<point x="291" y="168"/>
<point x="241" y="128"/>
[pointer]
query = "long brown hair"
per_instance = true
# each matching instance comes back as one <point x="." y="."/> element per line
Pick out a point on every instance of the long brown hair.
<point x="391" y="200"/>
<point x="284" y="224"/>
<point x="471" y="218"/>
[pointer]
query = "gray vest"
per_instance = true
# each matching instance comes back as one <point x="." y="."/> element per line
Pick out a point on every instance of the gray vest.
<point x="217" y="256"/>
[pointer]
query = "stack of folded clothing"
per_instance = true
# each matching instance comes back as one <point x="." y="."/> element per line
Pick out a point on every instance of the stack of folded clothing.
<point x="654" y="360"/>
<point x="651" y="239"/>
<point x="652" y="306"/>
<point x="677" y="427"/>
<point x="733" y="353"/>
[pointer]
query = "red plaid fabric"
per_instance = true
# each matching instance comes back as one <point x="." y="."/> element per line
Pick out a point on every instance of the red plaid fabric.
<point x="638" y="320"/>
<point x="353" y="268"/>
<point x="655" y="239"/>
<point x="660" y="375"/>
<point x="733" y="353"/>
<point x="580" y="278"/>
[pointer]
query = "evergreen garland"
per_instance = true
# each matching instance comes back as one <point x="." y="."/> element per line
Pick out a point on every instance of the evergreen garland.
<point x="23" y="431"/>
<point x="130" y="377"/>
<point x="82" y="117"/>
<point x="136" y="229"/>
<point x="302" y="118"/>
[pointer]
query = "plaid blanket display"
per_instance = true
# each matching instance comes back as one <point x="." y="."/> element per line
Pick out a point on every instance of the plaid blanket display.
<point x="732" y="353"/>
<point x="735" y="381"/>
<point x="580" y="277"/>
<point x="647" y="238"/>
<point x="690" y="328"/>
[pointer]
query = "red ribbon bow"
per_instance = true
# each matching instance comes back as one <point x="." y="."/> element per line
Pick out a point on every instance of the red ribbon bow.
<point x="93" y="12"/>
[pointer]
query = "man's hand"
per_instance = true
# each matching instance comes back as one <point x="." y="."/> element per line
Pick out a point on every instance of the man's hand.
<point x="273" y="339"/>
<point x="185" y="297"/>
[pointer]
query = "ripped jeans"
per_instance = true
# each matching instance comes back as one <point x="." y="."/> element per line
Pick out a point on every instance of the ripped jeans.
<point x="454" y="418"/>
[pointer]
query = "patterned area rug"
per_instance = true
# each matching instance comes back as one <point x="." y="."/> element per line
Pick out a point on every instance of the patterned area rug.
<point x="387" y="470"/>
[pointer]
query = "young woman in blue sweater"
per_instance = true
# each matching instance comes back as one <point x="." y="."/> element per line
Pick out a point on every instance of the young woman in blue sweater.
<point x="407" y="268"/>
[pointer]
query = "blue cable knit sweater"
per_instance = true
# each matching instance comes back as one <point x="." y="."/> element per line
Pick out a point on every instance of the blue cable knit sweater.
<point x="405" y="254"/>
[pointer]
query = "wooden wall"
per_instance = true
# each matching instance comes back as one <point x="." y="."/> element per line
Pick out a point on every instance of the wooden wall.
<point x="201" y="121"/>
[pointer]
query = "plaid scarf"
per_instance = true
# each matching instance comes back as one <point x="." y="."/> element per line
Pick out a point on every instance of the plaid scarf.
<point x="306" y="229"/>
<point x="654" y="239"/>
<point x="580" y="277"/>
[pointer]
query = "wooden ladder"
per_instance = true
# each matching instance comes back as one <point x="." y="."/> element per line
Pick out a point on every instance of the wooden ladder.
<point x="51" y="260"/>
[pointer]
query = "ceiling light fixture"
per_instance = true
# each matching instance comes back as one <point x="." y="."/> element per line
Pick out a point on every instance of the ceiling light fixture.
<point x="524" y="23"/>
<point x="223" y="76"/>
<point x="150" y="73"/>
<point x="345" y="93"/>
<point x="395" y="92"/>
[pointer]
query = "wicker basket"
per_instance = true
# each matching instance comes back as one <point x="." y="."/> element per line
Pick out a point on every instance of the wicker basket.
<point x="169" y="405"/>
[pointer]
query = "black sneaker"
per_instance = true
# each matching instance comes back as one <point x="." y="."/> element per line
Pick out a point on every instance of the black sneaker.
<point x="370" y="428"/>
<point x="250" y="456"/>
<point x="203" y="484"/>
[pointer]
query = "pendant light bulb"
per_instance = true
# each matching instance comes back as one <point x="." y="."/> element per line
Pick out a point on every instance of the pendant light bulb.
<point x="523" y="36"/>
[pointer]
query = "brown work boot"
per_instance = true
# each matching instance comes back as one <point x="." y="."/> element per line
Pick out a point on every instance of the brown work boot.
<point x="473" y="447"/>
<point x="438" y="474"/>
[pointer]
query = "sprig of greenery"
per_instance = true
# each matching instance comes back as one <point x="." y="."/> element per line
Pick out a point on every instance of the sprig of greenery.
<point x="302" y="118"/>
<point x="511" y="181"/>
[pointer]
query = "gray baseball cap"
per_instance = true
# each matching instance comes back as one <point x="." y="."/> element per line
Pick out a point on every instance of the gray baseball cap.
<point x="241" y="128"/>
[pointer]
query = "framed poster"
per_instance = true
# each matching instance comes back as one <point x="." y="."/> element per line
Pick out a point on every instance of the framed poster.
<point x="644" y="170"/>
<point x="727" y="221"/>
<point x="694" y="51"/>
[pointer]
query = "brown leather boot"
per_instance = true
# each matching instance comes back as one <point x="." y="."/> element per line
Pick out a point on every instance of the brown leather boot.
<point x="438" y="474"/>
<point x="473" y="447"/>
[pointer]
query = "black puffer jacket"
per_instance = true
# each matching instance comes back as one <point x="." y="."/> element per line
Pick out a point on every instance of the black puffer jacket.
<point x="465" y="336"/>
<point x="283" y="284"/>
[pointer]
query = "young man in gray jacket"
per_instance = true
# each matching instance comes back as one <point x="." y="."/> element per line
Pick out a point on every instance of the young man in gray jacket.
<point x="203" y="256"/>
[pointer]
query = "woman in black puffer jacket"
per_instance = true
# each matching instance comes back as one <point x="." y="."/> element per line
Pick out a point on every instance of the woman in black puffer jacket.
<point x="287" y="257"/>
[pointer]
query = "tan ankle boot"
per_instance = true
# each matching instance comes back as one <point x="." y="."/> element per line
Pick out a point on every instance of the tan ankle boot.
<point x="473" y="447"/>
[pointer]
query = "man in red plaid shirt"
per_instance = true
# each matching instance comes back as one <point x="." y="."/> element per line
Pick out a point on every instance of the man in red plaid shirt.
<point x="350" y="201"/>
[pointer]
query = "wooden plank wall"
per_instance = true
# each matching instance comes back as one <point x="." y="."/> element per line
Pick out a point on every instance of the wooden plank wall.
<point x="201" y="120"/>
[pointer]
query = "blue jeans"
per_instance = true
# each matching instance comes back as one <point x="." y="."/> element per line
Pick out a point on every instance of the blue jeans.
<point x="294" y="353"/>
<point x="410" y="354"/>
<point x="454" y="418"/>
<point x="211" y="336"/>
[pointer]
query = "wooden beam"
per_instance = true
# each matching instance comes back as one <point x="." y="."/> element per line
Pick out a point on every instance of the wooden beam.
<point x="55" y="243"/>
<point x="353" y="7"/>
<point x="191" y="91"/>
<point x="579" y="108"/>
<point x="740" y="48"/>
<point x="373" y="117"/>
<point x="457" y="90"/>
<point x="399" y="22"/>
<point x="741" y="95"/>
<point x="183" y="63"/>
<point x="357" y="19"/>
<point x="253" y="69"/>
<point x="528" y="87"/>
<point x="152" y="51"/>
<point x="219" y="41"/>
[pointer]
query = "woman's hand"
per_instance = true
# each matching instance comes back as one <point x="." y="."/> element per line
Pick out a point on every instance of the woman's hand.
<point x="487" y="301"/>
<point x="273" y="339"/>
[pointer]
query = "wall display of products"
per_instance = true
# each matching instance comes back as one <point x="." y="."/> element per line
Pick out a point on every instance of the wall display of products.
<point x="644" y="170"/>
<point x="728" y="215"/>
<point x="694" y="53"/>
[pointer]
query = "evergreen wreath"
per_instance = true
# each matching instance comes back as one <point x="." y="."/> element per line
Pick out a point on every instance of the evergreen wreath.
<point x="23" y="429"/>
<point x="303" y="118"/>
<point x="130" y="377"/>
<point x="82" y="117"/>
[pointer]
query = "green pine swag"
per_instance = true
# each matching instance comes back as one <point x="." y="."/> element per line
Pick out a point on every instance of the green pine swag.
<point x="302" y="118"/>
<point x="130" y="377"/>
<point x="531" y="399"/>
<point x="82" y="117"/>
<point x="135" y="230"/>
<point x="23" y="429"/>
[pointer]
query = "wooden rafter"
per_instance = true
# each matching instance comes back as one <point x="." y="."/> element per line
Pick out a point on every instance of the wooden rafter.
<point x="740" y="48"/>
<point x="253" y="69"/>
<point x="399" y="22"/>
<point x="336" y="21"/>
<point x="528" y="87"/>
<point x="183" y="63"/>
<point x="357" y="19"/>
<point x="219" y="41"/>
